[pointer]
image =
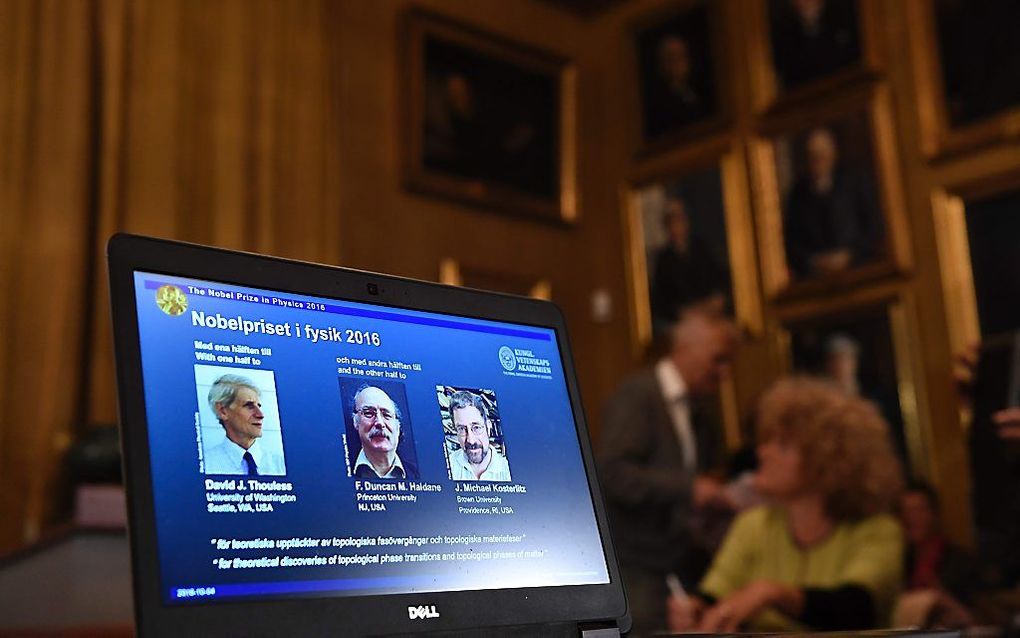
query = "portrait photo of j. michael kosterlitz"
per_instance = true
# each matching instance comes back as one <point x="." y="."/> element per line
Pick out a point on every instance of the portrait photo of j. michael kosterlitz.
<point x="473" y="434"/>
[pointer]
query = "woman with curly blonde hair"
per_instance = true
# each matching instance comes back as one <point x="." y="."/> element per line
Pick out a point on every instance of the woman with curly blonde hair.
<point x="824" y="553"/>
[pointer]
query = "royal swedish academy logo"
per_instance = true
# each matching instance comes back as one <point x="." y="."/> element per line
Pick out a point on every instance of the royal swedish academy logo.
<point x="507" y="359"/>
<point x="171" y="300"/>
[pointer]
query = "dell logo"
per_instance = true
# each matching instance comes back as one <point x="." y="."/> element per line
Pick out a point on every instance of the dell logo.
<point x="422" y="611"/>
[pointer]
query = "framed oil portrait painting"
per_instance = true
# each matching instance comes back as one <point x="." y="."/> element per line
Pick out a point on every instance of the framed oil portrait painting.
<point x="689" y="243"/>
<point x="831" y="206"/>
<point x="680" y="68"/>
<point x="488" y="122"/>
<point x="813" y="39"/>
<point x="968" y="61"/>
<point x="865" y="350"/>
<point x="806" y="47"/>
<point x="977" y="221"/>
<point x="976" y="227"/>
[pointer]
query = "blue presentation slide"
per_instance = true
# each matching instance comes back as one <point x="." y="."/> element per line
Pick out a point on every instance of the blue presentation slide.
<point x="304" y="446"/>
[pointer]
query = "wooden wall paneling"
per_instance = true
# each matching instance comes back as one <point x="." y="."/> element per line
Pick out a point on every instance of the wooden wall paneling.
<point x="949" y="465"/>
<point x="602" y="349"/>
<point x="757" y="362"/>
<point x="390" y="229"/>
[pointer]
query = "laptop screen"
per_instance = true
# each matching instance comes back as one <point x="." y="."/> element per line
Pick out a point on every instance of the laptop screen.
<point x="312" y="447"/>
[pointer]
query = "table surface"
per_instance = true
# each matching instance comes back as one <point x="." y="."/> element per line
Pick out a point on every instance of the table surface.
<point x="79" y="584"/>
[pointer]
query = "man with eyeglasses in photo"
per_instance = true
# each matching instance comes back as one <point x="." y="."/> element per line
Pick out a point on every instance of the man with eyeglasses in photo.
<point x="477" y="459"/>
<point x="377" y="420"/>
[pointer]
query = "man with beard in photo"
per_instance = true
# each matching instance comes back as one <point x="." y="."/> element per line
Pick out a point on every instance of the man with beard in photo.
<point x="477" y="459"/>
<point x="377" y="421"/>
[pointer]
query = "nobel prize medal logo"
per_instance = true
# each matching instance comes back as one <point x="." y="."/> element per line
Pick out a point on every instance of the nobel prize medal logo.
<point x="507" y="359"/>
<point x="171" y="300"/>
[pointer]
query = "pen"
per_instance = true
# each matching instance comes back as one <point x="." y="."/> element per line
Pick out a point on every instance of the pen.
<point x="675" y="587"/>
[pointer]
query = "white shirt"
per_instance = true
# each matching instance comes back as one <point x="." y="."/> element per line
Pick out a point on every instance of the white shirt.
<point x="674" y="393"/>
<point x="463" y="470"/>
<point x="397" y="471"/>
<point x="228" y="458"/>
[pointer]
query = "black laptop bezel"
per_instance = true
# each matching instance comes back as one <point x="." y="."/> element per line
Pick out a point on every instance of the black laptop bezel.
<point x="377" y="614"/>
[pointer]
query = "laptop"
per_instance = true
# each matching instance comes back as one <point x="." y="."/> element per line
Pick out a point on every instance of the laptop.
<point x="313" y="450"/>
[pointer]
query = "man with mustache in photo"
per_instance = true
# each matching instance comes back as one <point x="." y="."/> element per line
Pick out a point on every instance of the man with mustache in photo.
<point x="377" y="420"/>
<point x="477" y="459"/>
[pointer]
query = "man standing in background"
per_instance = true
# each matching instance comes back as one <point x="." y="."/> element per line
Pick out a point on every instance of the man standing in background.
<point x="656" y="451"/>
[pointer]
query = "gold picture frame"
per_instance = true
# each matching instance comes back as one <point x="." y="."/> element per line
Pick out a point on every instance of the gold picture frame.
<point x="466" y="142"/>
<point x="949" y="205"/>
<point x="873" y="104"/>
<point x="729" y="161"/>
<point x="717" y="34"/>
<point x="766" y="94"/>
<point x="954" y="266"/>
<point x="894" y="310"/>
<point x="938" y="137"/>
<point x="723" y="156"/>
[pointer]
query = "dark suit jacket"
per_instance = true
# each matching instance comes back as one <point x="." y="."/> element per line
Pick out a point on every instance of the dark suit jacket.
<point x="800" y="56"/>
<point x="957" y="570"/>
<point x="681" y="279"/>
<point x="647" y="489"/>
<point x="847" y="217"/>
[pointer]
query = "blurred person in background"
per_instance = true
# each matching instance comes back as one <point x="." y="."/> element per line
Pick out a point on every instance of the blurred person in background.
<point x="1007" y="422"/>
<point x="987" y="377"/>
<point x="940" y="577"/>
<point x="657" y="456"/>
<point x="824" y="553"/>
<point x="843" y="368"/>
